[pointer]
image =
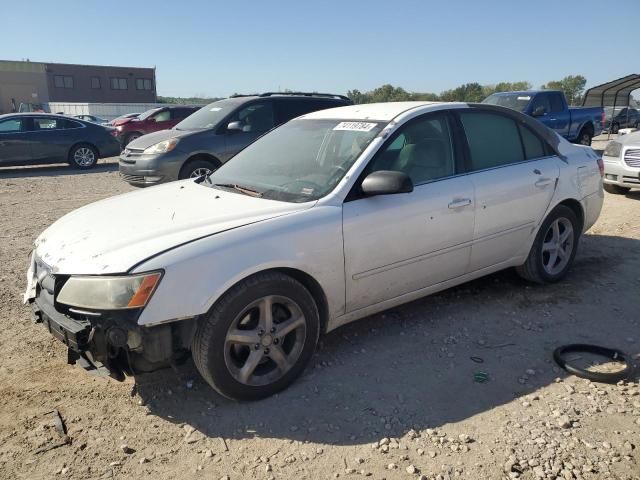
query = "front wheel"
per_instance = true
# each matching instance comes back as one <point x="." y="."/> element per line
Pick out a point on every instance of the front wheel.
<point x="258" y="337"/>
<point x="615" y="189"/>
<point x="83" y="156"/>
<point x="554" y="248"/>
<point x="197" y="168"/>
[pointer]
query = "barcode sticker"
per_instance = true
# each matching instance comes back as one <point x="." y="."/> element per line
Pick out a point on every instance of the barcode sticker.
<point x="524" y="98"/>
<point x="355" y="126"/>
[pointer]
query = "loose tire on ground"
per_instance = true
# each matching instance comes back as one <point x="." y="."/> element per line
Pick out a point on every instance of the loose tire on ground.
<point x="615" y="189"/>
<point x="535" y="268"/>
<point x="225" y="339"/>
<point x="83" y="156"/>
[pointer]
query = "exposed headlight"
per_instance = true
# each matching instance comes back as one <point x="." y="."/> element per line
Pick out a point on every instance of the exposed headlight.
<point x="109" y="293"/>
<point x="162" y="147"/>
<point x="119" y="128"/>
<point x="613" y="149"/>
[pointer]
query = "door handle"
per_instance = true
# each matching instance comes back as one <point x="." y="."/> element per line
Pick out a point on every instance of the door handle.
<point x="543" y="182"/>
<point x="460" y="202"/>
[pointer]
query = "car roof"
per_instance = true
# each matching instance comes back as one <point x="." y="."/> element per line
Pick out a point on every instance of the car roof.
<point x="525" y="92"/>
<point x="371" y="111"/>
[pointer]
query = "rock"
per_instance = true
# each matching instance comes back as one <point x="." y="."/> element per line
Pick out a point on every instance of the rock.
<point x="564" y="422"/>
<point x="628" y="446"/>
<point x="115" y="464"/>
<point x="606" y="445"/>
<point x="319" y="451"/>
<point x="226" y="477"/>
<point x="349" y="470"/>
<point x="392" y="466"/>
<point x="538" y="472"/>
<point x="268" y="467"/>
<point x="411" y="469"/>
<point x="143" y="460"/>
<point x="64" y="470"/>
<point x="384" y="448"/>
<point x="127" y="449"/>
<point x="432" y="454"/>
<point x="384" y="441"/>
<point x="420" y="451"/>
<point x="359" y="460"/>
<point x="464" y="438"/>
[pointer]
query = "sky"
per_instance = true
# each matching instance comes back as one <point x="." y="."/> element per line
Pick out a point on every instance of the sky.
<point x="215" y="48"/>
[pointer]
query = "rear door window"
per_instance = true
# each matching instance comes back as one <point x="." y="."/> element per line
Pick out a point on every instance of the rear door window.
<point x="493" y="140"/>
<point x="43" y="123"/>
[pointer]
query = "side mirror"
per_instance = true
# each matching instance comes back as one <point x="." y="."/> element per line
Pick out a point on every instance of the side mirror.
<point x="386" y="182"/>
<point x="539" y="111"/>
<point x="235" y="127"/>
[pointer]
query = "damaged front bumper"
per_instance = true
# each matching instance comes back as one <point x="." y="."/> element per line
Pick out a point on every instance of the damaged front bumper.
<point x="103" y="342"/>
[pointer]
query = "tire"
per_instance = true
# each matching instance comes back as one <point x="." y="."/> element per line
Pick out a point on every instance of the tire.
<point x="198" y="167"/>
<point x="614" y="128"/>
<point x="611" y="353"/>
<point x="615" y="189"/>
<point x="584" y="138"/>
<point x="83" y="156"/>
<point x="131" y="137"/>
<point x="236" y="351"/>
<point x="542" y="266"/>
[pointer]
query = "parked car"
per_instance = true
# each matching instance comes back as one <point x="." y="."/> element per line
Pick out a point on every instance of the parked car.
<point x="626" y="117"/>
<point x="126" y="116"/>
<point x="92" y="119"/>
<point x="36" y="138"/>
<point x="576" y="124"/>
<point x="622" y="164"/>
<point x="202" y="142"/>
<point x="151" y="121"/>
<point x="331" y="217"/>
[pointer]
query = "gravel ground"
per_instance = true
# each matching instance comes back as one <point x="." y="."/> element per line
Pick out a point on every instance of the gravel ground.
<point x="392" y="396"/>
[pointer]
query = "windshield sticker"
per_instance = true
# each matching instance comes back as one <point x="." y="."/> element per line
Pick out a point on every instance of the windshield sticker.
<point x="215" y="109"/>
<point x="355" y="126"/>
<point x="307" y="191"/>
<point x="524" y="98"/>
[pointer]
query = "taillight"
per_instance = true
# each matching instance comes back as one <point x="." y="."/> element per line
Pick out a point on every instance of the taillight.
<point x="601" y="167"/>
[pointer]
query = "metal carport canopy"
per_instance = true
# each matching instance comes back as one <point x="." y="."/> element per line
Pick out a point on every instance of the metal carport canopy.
<point x="614" y="93"/>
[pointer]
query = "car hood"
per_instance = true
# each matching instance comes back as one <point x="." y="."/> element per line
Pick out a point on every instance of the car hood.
<point x="630" y="139"/>
<point x="149" y="139"/>
<point x="113" y="235"/>
<point x="122" y="121"/>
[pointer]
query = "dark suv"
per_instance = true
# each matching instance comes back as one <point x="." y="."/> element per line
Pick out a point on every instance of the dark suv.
<point x="202" y="142"/>
<point x="128" y="129"/>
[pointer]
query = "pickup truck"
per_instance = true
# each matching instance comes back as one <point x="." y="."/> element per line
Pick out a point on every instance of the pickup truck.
<point x="576" y="124"/>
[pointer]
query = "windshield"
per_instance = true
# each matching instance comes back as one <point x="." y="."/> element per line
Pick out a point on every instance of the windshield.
<point x="515" y="101"/>
<point x="148" y="113"/>
<point x="207" y="117"/>
<point x="300" y="161"/>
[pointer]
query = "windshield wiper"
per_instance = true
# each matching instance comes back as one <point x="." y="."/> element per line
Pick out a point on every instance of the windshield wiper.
<point x="240" y="188"/>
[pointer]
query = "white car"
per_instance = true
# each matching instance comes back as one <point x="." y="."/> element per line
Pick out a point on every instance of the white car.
<point x="622" y="164"/>
<point x="329" y="218"/>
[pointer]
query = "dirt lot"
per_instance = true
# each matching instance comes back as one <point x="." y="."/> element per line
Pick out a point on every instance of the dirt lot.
<point x="392" y="396"/>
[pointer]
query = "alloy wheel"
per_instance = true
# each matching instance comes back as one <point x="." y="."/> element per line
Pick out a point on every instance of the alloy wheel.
<point x="557" y="246"/>
<point x="265" y="340"/>
<point x="199" y="172"/>
<point x="84" y="157"/>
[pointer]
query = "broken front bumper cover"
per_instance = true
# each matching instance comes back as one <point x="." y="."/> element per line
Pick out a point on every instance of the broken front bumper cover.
<point x="77" y="335"/>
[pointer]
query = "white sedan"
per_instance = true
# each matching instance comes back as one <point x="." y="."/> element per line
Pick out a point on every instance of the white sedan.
<point x="329" y="218"/>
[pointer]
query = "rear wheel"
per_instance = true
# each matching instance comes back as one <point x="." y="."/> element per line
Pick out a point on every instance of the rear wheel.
<point x="258" y="337"/>
<point x="614" y="128"/>
<point x="584" y="138"/>
<point x="615" y="189"/>
<point x="554" y="248"/>
<point x="83" y="156"/>
<point x="197" y="168"/>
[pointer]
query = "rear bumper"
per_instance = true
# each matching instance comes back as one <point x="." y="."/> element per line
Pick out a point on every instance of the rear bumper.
<point x="616" y="172"/>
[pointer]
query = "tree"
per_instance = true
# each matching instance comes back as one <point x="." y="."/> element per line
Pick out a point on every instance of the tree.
<point x="468" y="92"/>
<point x="571" y="85"/>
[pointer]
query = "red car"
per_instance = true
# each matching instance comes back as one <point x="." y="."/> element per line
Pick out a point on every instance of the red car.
<point x="153" y="120"/>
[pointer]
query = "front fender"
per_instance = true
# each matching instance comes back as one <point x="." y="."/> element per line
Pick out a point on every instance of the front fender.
<point x="199" y="273"/>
